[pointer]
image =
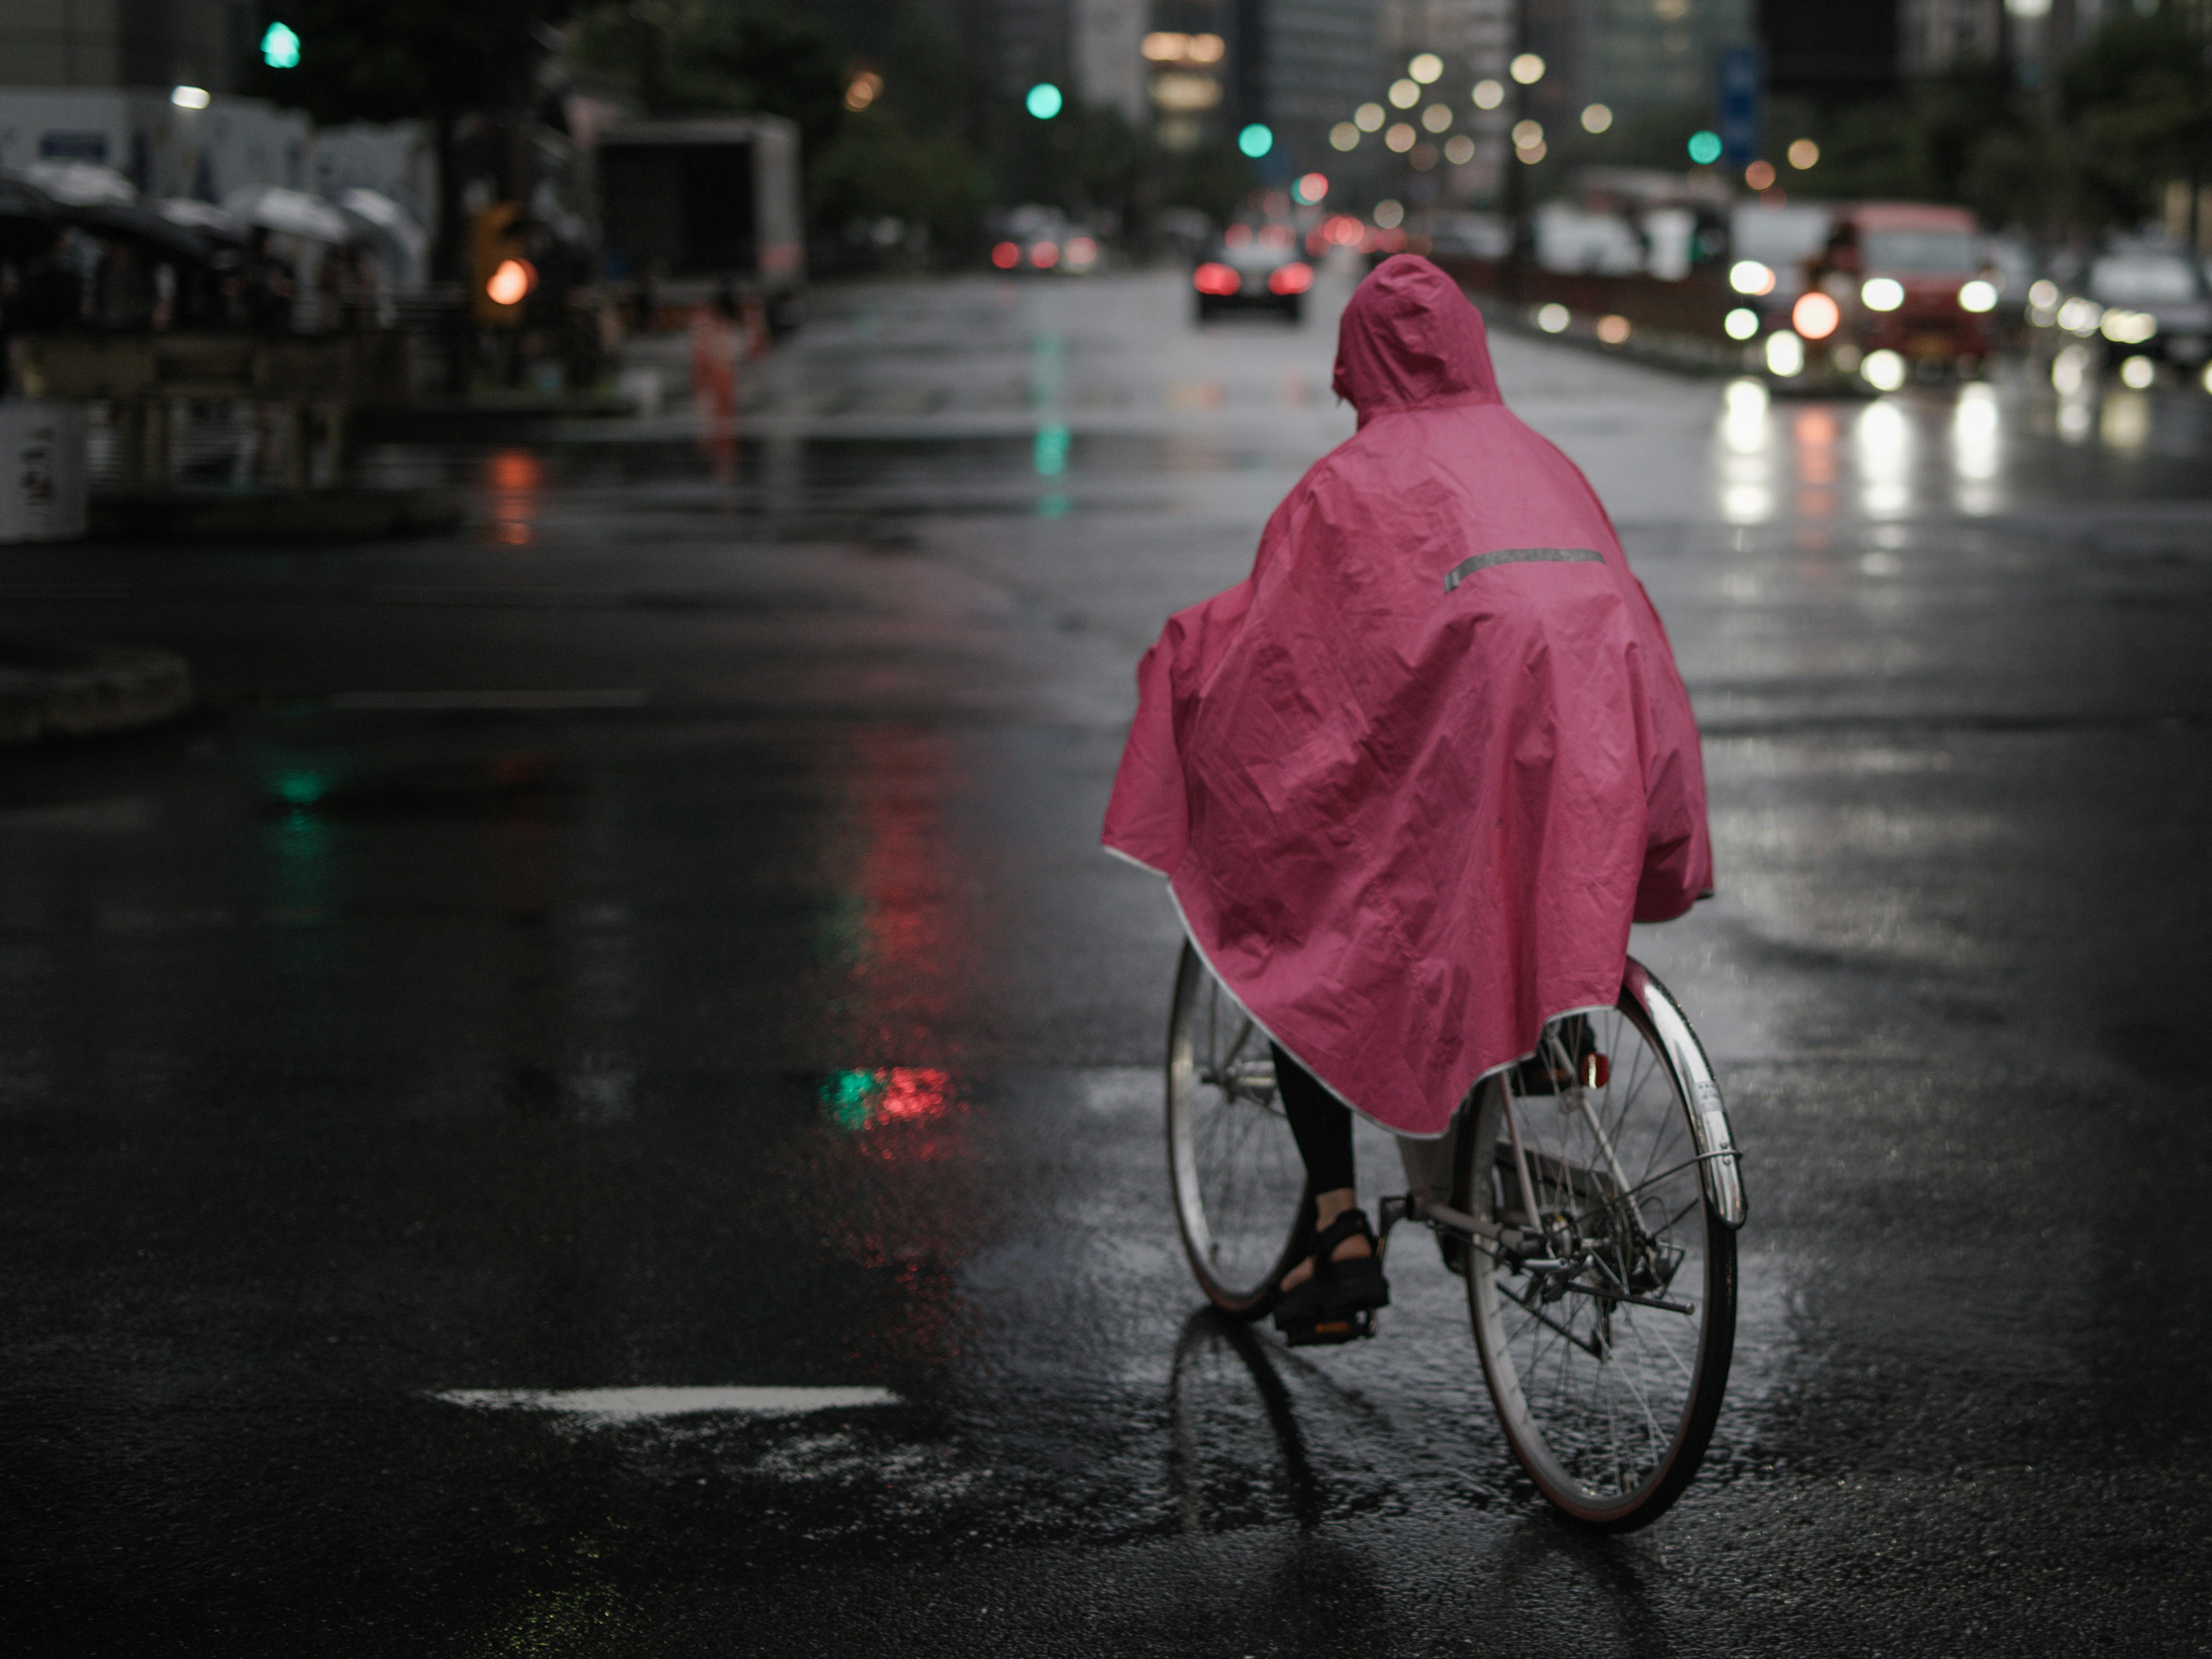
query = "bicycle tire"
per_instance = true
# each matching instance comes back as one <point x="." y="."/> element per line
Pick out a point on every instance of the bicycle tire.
<point x="1238" y="1184"/>
<point x="1624" y="1202"/>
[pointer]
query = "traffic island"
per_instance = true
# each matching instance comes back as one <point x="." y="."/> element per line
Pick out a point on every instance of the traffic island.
<point x="72" y="689"/>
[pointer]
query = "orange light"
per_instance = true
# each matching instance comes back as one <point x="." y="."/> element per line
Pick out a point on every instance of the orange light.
<point x="1760" y="175"/>
<point x="1815" y="315"/>
<point x="1006" y="255"/>
<point x="1044" y="255"/>
<point x="1292" y="278"/>
<point x="510" y="281"/>
<point x="1216" y="279"/>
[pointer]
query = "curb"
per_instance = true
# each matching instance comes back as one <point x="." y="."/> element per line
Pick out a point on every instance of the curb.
<point x="323" y="515"/>
<point x="82" y="689"/>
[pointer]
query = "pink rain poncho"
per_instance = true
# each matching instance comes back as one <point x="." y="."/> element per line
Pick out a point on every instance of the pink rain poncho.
<point x="1412" y="779"/>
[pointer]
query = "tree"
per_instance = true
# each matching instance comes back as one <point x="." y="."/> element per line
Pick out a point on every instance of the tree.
<point x="2136" y="100"/>
<point x="880" y="167"/>
<point x="720" y="57"/>
<point x="428" y="60"/>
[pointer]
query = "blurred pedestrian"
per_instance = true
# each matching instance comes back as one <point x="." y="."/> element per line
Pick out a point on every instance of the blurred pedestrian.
<point x="717" y="343"/>
<point x="266" y="289"/>
<point x="1411" y="782"/>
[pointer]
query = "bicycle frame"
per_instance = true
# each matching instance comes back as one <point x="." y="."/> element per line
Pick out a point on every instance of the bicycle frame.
<point x="1720" y="1174"/>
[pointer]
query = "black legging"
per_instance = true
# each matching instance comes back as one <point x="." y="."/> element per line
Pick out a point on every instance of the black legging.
<point x="1322" y="1122"/>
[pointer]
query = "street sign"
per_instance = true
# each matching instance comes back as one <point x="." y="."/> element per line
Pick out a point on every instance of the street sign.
<point x="1742" y="95"/>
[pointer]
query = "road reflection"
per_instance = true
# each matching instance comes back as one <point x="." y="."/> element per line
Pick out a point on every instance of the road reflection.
<point x="1975" y="450"/>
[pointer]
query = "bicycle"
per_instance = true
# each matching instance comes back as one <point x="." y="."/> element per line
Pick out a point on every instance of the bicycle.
<point x="1595" y="1194"/>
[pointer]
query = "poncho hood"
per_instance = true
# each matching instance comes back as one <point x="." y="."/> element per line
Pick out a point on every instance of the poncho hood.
<point x="1412" y="779"/>
<point x="1410" y="339"/>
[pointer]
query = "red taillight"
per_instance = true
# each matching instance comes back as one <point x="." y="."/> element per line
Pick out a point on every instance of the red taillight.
<point x="1216" y="279"/>
<point x="1044" y="255"/>
<point x="1006" y="255"/>
<point x="1293" y="278"/>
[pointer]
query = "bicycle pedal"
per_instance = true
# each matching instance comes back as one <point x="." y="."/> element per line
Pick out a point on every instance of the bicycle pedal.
<point x="1330" y="1333"/>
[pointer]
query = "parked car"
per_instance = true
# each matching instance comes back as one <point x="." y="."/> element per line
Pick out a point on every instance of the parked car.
<point x="1254" y="267"/>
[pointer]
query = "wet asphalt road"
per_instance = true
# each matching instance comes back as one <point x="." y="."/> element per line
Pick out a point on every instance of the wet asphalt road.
<point x="659" y="941"/>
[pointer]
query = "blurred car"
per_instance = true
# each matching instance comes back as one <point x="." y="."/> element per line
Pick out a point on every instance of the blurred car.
<point x="1254" y="267"/>
<point x="1042" y="239"/>
<point x="1910" y="282"/>
<point x="2153" y="304"/>
<point x="1467" y="235"/>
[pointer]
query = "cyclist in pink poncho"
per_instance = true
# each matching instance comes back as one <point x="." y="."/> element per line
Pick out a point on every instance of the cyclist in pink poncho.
<point x="1412" y="779"/>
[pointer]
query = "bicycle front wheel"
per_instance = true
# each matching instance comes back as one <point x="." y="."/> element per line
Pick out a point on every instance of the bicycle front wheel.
<point x="1604" y="1299"/>
<point x="1239" y="1184"/>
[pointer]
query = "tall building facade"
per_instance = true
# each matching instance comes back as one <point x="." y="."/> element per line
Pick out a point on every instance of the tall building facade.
<point x="124" y="43"/>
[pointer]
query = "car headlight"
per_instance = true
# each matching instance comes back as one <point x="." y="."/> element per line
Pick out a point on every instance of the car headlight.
<point x="1750" y="277"/>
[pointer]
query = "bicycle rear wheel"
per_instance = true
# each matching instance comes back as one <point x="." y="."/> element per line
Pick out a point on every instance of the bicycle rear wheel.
<point x="1604" y="1306"/>
<point x="1239" y="1184"/>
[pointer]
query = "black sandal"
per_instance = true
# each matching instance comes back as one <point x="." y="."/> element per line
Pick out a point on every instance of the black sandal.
<point x="1338" y="1304"/>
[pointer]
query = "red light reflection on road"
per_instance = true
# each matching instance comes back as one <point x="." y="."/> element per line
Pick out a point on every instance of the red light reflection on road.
<point x="514" y="480"/>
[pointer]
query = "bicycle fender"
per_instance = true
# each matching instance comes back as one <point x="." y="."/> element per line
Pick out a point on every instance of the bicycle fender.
<point x="1720" y="1166"/>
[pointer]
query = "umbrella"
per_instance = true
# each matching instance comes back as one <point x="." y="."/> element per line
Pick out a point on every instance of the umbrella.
<point x="389" y="225"/>
<point x="205" y="218"/>
<point x="28" y="221"/>
<point x="21" y="199"/>
<point x="131" y="222"/>
<point x="292" y="212"/>
<point x="82" y="184"/>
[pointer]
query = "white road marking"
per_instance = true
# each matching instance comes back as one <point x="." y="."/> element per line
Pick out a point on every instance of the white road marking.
<point x="633" y="1405"/>
<point x="435" y="702"/>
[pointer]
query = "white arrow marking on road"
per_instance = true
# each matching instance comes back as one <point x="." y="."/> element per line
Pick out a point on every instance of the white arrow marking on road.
<point x="631" y="1404"/>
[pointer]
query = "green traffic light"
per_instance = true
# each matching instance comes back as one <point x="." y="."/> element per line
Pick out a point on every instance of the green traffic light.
<point x="1255" y="140"/>
<point x="1705" y="148"/>
<point x="1044" y="100"/>
<point x="280" y="47"/>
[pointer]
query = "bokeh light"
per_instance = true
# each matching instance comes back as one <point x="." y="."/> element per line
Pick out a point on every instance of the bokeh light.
<point x="1883" y="370"/>
<point x="1596" y="118"/>
<point x="1704" y="147"/>
<point x="1528" y="69"/>
<point x="1488" y="94"/>
<point x="1750" y="276"/>
<point x="1740" y="324"/>
<point x="1815" y="315"/>
<point x="1426" y="68"/>
<point x="1044" y="100"/>
<point x="1803" y="154"/>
